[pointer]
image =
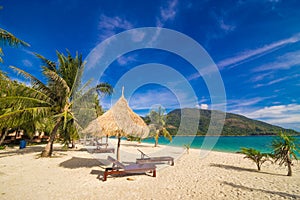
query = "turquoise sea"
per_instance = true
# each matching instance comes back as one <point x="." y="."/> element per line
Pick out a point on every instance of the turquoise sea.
<point x="221" y="143"/>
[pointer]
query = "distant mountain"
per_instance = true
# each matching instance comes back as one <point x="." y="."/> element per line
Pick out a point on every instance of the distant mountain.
<point x="234" y="124"/>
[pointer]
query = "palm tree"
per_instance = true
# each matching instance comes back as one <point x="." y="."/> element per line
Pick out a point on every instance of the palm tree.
<point x="6" y="38"/>
<point x="101" y="89"/>
<point x="284" y="149"/>
<point x="15" y="104"/>
<point x="53" y="100"/>
<point x="256" y="156"/>
<point x="187" y="147"/>
<point x="104" y="88"/>
<point x="158" y="125"/>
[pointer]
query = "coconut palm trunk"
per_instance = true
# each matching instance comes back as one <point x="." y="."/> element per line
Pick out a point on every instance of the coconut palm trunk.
<point x="47" y="152"/>
<point x="158" y="124"/>
<point x="3" y="136"/>
<point x="289" y="164"/>
<point x="156" y="138"/>
<point x="285" y="148"/>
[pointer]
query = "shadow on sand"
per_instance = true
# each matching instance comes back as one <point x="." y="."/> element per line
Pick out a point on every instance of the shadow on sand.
<point x="77" y="162"/>
<point x="230" y="167"/>
<point x="282" y="194"/>
<point x="34" y="149"/>
<point x="28" y="149"/>
<point x="137" y="145"/>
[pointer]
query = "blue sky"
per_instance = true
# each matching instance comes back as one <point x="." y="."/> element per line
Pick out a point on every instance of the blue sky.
<point x="255" y="45"/>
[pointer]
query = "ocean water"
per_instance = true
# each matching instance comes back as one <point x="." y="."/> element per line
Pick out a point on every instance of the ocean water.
<point x="221" y="143"/>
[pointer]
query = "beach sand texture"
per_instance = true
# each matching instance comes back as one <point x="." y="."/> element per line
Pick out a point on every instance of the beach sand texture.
<point x="76" y="174"/>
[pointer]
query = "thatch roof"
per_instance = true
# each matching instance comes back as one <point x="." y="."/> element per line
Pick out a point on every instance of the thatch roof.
<point x="94" y="128"/>
<point x="120" y="120"/>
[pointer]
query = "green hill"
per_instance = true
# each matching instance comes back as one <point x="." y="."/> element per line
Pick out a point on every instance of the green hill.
<point x="234" y="124"/>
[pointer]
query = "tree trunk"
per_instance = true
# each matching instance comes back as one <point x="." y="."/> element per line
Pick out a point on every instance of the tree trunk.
<point x="118" y="147"/>
<point x="84" y="139"/>
<point x="258" y="166"/>
<point x="73" y="143"/>
<point x="156" y="138"/>
<point x="3" y="135"/>
<point x="289" y="164"/>
<point x="47" y="152"/>
<point x="289" y="169"/>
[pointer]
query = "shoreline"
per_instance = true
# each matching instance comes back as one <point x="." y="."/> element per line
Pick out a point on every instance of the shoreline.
<point x="227" y="135"/>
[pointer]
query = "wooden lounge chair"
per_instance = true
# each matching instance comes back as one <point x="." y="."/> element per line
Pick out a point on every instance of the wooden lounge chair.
<point x="148" y="159"/>
<point x="120" y="168"/>
<point x="103" y="150"/>
<point x="101" y="145"/>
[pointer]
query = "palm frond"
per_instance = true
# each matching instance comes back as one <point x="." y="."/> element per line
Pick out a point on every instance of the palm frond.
<point x="166" y="134"/>
<point x="31" y="92"/>
<point x="6" y="38"/>
<point x="1" y="54"/>
<point x="104" y="88"/>
<point x="21" y="116"/>
<point x="84" y="87"/>
<point x="36" y="83"/>
<point x="77" y="79"/>
<point x="49" y="64"/>
<point x="21" y="102"/>
<point x="58" y="82"/>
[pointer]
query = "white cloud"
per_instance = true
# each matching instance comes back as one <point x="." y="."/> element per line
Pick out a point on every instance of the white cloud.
<point x="247" y="102"/>
<point x="285" y="61"/>
<point x="272" y="82"/>
<point x="109" y="26"/>
<point x="27" y="63"/>
<point x="123" y="60"/>
<point x="226" y="27"/>
<point x="163" y="97"/>
<point x="261" y="76"/>
<point x="276" y="1"/>
<point x="113" y="23"/>
<point x="203" y="72"/>
<point x="278" y="80"/>
<point x="169" y="12"/>
<point x="153" y="97"/>
<point x="202" y="106"/>
<point x="137" y="36"/>
<point x="287" y="116"/>
<point x="254" y="53"/>
<point x="239" y="105"/>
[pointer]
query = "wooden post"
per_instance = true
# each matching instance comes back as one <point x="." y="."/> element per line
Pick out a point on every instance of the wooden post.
<point x="118" y="147"/>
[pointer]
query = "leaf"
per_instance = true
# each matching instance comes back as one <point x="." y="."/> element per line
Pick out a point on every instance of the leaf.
<point x="9" y="39"/>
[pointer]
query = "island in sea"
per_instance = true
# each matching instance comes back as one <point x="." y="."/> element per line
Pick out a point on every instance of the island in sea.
<point x="234" y="124"/>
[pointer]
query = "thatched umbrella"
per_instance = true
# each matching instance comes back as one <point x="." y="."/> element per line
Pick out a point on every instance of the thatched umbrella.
<point x="94" y="129"/>
<point x="121" y="121"/>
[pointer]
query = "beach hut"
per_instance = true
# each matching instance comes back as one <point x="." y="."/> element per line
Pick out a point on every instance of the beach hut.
<point x="120" y="121"/>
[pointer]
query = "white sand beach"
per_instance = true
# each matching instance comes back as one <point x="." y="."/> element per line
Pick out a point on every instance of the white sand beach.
<point x="77" y="174"/>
